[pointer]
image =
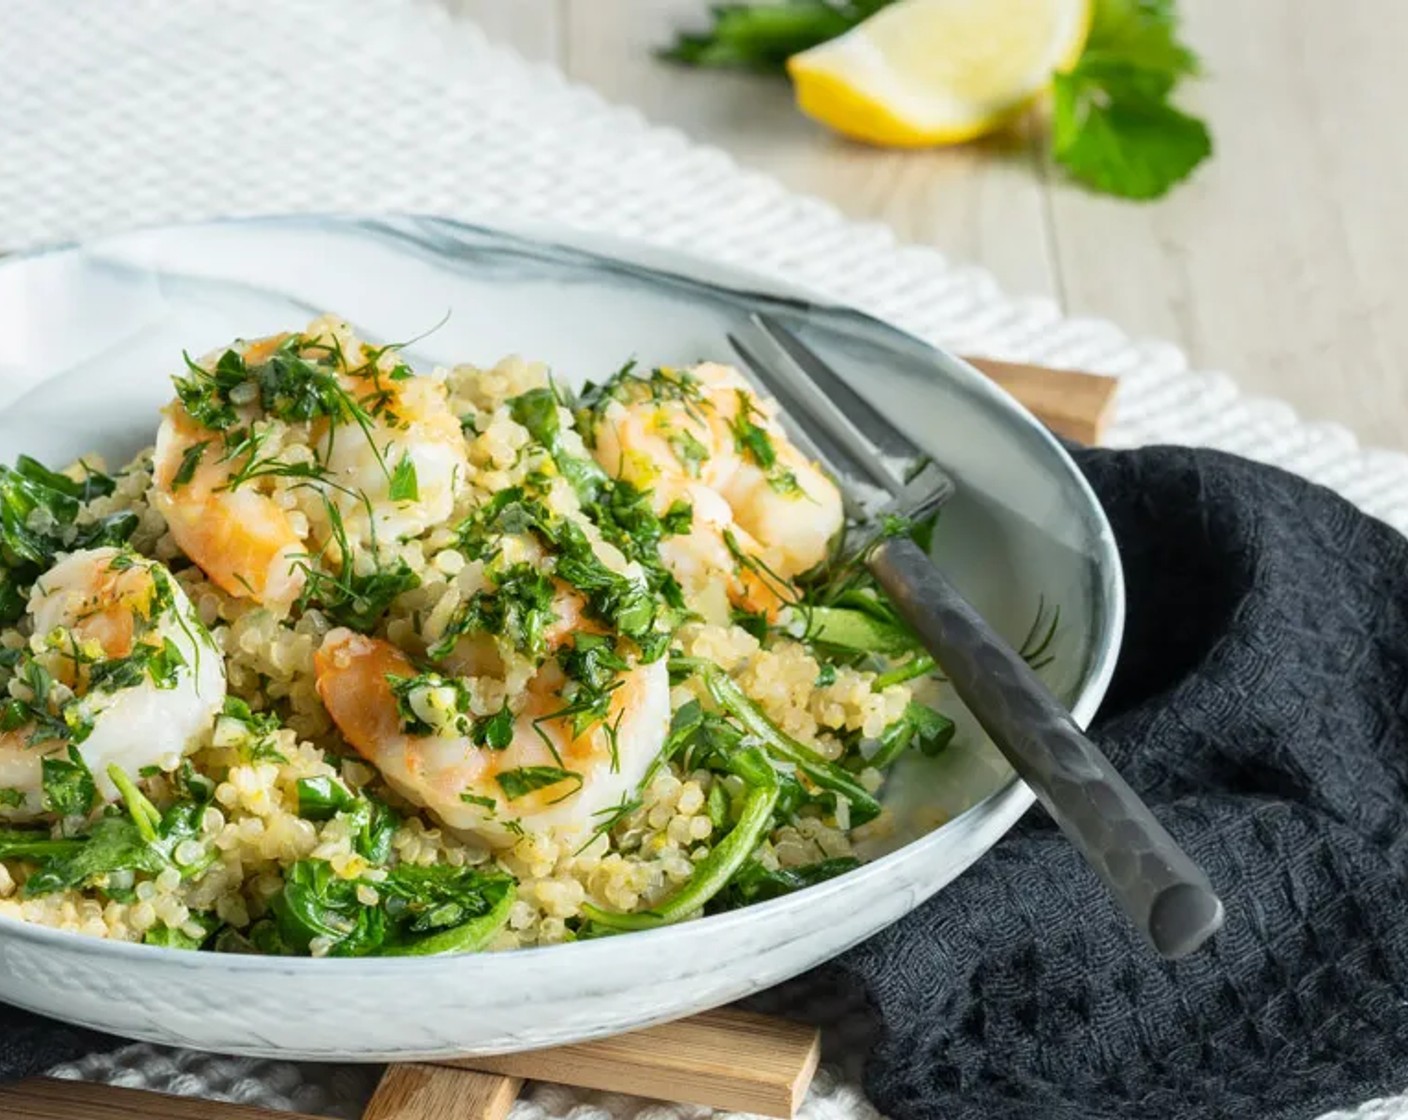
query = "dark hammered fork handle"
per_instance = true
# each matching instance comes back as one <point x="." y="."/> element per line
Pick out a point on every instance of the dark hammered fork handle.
<point x="1166" y="895"/>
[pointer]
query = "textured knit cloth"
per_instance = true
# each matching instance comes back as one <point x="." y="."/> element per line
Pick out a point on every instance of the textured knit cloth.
<point x="1258" y="706"/>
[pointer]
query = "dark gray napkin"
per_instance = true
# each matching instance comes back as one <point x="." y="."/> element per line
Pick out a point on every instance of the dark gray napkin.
<point x="1261" y="707"/>
<point x="31" y="1044"/>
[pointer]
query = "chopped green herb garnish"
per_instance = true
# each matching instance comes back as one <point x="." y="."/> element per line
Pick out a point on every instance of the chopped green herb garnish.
<point x="160" y="664"/>
<point x="446" y="697"/>
<point x="754" y="622"/>
<point x="519" y="609"/>
<point x="494" y="731"/>
<point x="354" y="598"/>
<point x="537" y="410"/>
<point x="528" y="779"/>
<point x="94" y="484"/>
<point x="178" y="938"/>
<point x="417" y="911"/>
<point x="404" y="485"/>
<point x="322" y="798"/>
<point x="25" y="843"/>
<point x="190" y="460"/>
<point x="748" y="438"/>
<point x="69" y="790"/>
<point x="609" y="817"/>
<point x="754" y="883"/>
<point x="677" y="520"/>
<point x="259" y="731"/>
<point x="39" y="512"/>
<point x="625" y="385"/>
<point x="689" y="451"/>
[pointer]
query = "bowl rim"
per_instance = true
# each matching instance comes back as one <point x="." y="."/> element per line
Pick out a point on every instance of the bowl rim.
<point x="689" y="271"/>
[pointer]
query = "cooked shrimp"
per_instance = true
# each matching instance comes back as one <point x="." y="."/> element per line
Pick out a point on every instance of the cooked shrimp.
<point x="478" y="789"/>
<point x="374" y="440"/>
<point x="483" y="654"/>
<point x="244" y="540"/>
<point x="703" y="436"/>
<point x="127" y="670"/>
<point x="399" y="475"/>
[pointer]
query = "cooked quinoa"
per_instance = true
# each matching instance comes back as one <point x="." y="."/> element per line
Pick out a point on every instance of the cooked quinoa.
<point x="641" y="561"/>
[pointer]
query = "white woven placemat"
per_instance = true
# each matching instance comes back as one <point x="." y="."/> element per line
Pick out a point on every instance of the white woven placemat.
<point x="114" y="115"/>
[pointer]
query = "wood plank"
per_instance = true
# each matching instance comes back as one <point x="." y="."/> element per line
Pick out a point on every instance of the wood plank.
<point x="412" y="1091"/>
<point x="531" y="27"/>
<point x="725" y="1059"/>
<point x="43" y="1098"/>
<point x="979" y="202"/>
<point x="1282" y="262"/>
<point x="1072" y="404"/>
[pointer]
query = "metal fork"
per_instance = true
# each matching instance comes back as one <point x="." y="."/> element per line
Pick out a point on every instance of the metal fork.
<point x="1166" y="896"/>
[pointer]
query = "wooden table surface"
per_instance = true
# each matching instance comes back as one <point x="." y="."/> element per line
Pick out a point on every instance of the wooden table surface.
<point x="1280" y="264"/>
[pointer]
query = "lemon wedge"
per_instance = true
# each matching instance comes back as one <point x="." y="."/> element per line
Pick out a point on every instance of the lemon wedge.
<point x="923" y="72"/>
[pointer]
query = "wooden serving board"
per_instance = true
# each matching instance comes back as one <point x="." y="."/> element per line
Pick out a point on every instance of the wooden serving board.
<point x="1072" y="404"/>
<point x="725" y="1059"/>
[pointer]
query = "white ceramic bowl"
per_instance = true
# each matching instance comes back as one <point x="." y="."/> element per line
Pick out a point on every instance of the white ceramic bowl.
<point x="89" y="336"/>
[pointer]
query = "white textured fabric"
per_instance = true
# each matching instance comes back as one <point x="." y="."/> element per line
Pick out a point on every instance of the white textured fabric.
<point x="113" y="115"/>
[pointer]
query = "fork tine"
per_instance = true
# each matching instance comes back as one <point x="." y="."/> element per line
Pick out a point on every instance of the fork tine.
<point x="858" y="412"/>
<point x="849" y="459"/>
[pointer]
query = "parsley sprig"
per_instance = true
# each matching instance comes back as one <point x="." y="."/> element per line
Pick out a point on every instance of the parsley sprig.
<point x="1114" y="127"/>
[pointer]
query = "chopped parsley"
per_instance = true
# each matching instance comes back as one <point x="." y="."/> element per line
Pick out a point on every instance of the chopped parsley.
<point x="752" y="441"/>
<point x="40" y="712"/>
<point x="754" y="622"/>
<point x="593" y="667"/>
<point x="518" y="609"/>
<point x="749" y="438"/>
<point x="39" y="512"/>
<point x="677" y="520"/>
<point x="161" y="664"/>
<point x="537" y="410"/>
<point x="322" y="798"/>
<point x="353" y="598"/>
<point x="663" y="384"/>
<point x="494" y="731"/>
<point x="528" y="779"/>
<point x="446" y="697"/>
<point x="404" y="485"/>
<point x="205" y="393"/>
<point x="783" y="481"/>
<point x="690" y="452"/>
<point x="624" y="518"/>
<point x="253" y="732"/>
<point x="69" y="789"/>
<point x="755" y="883"/>
<point x="93" y="484"/>
<point x="190" y="461"/>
